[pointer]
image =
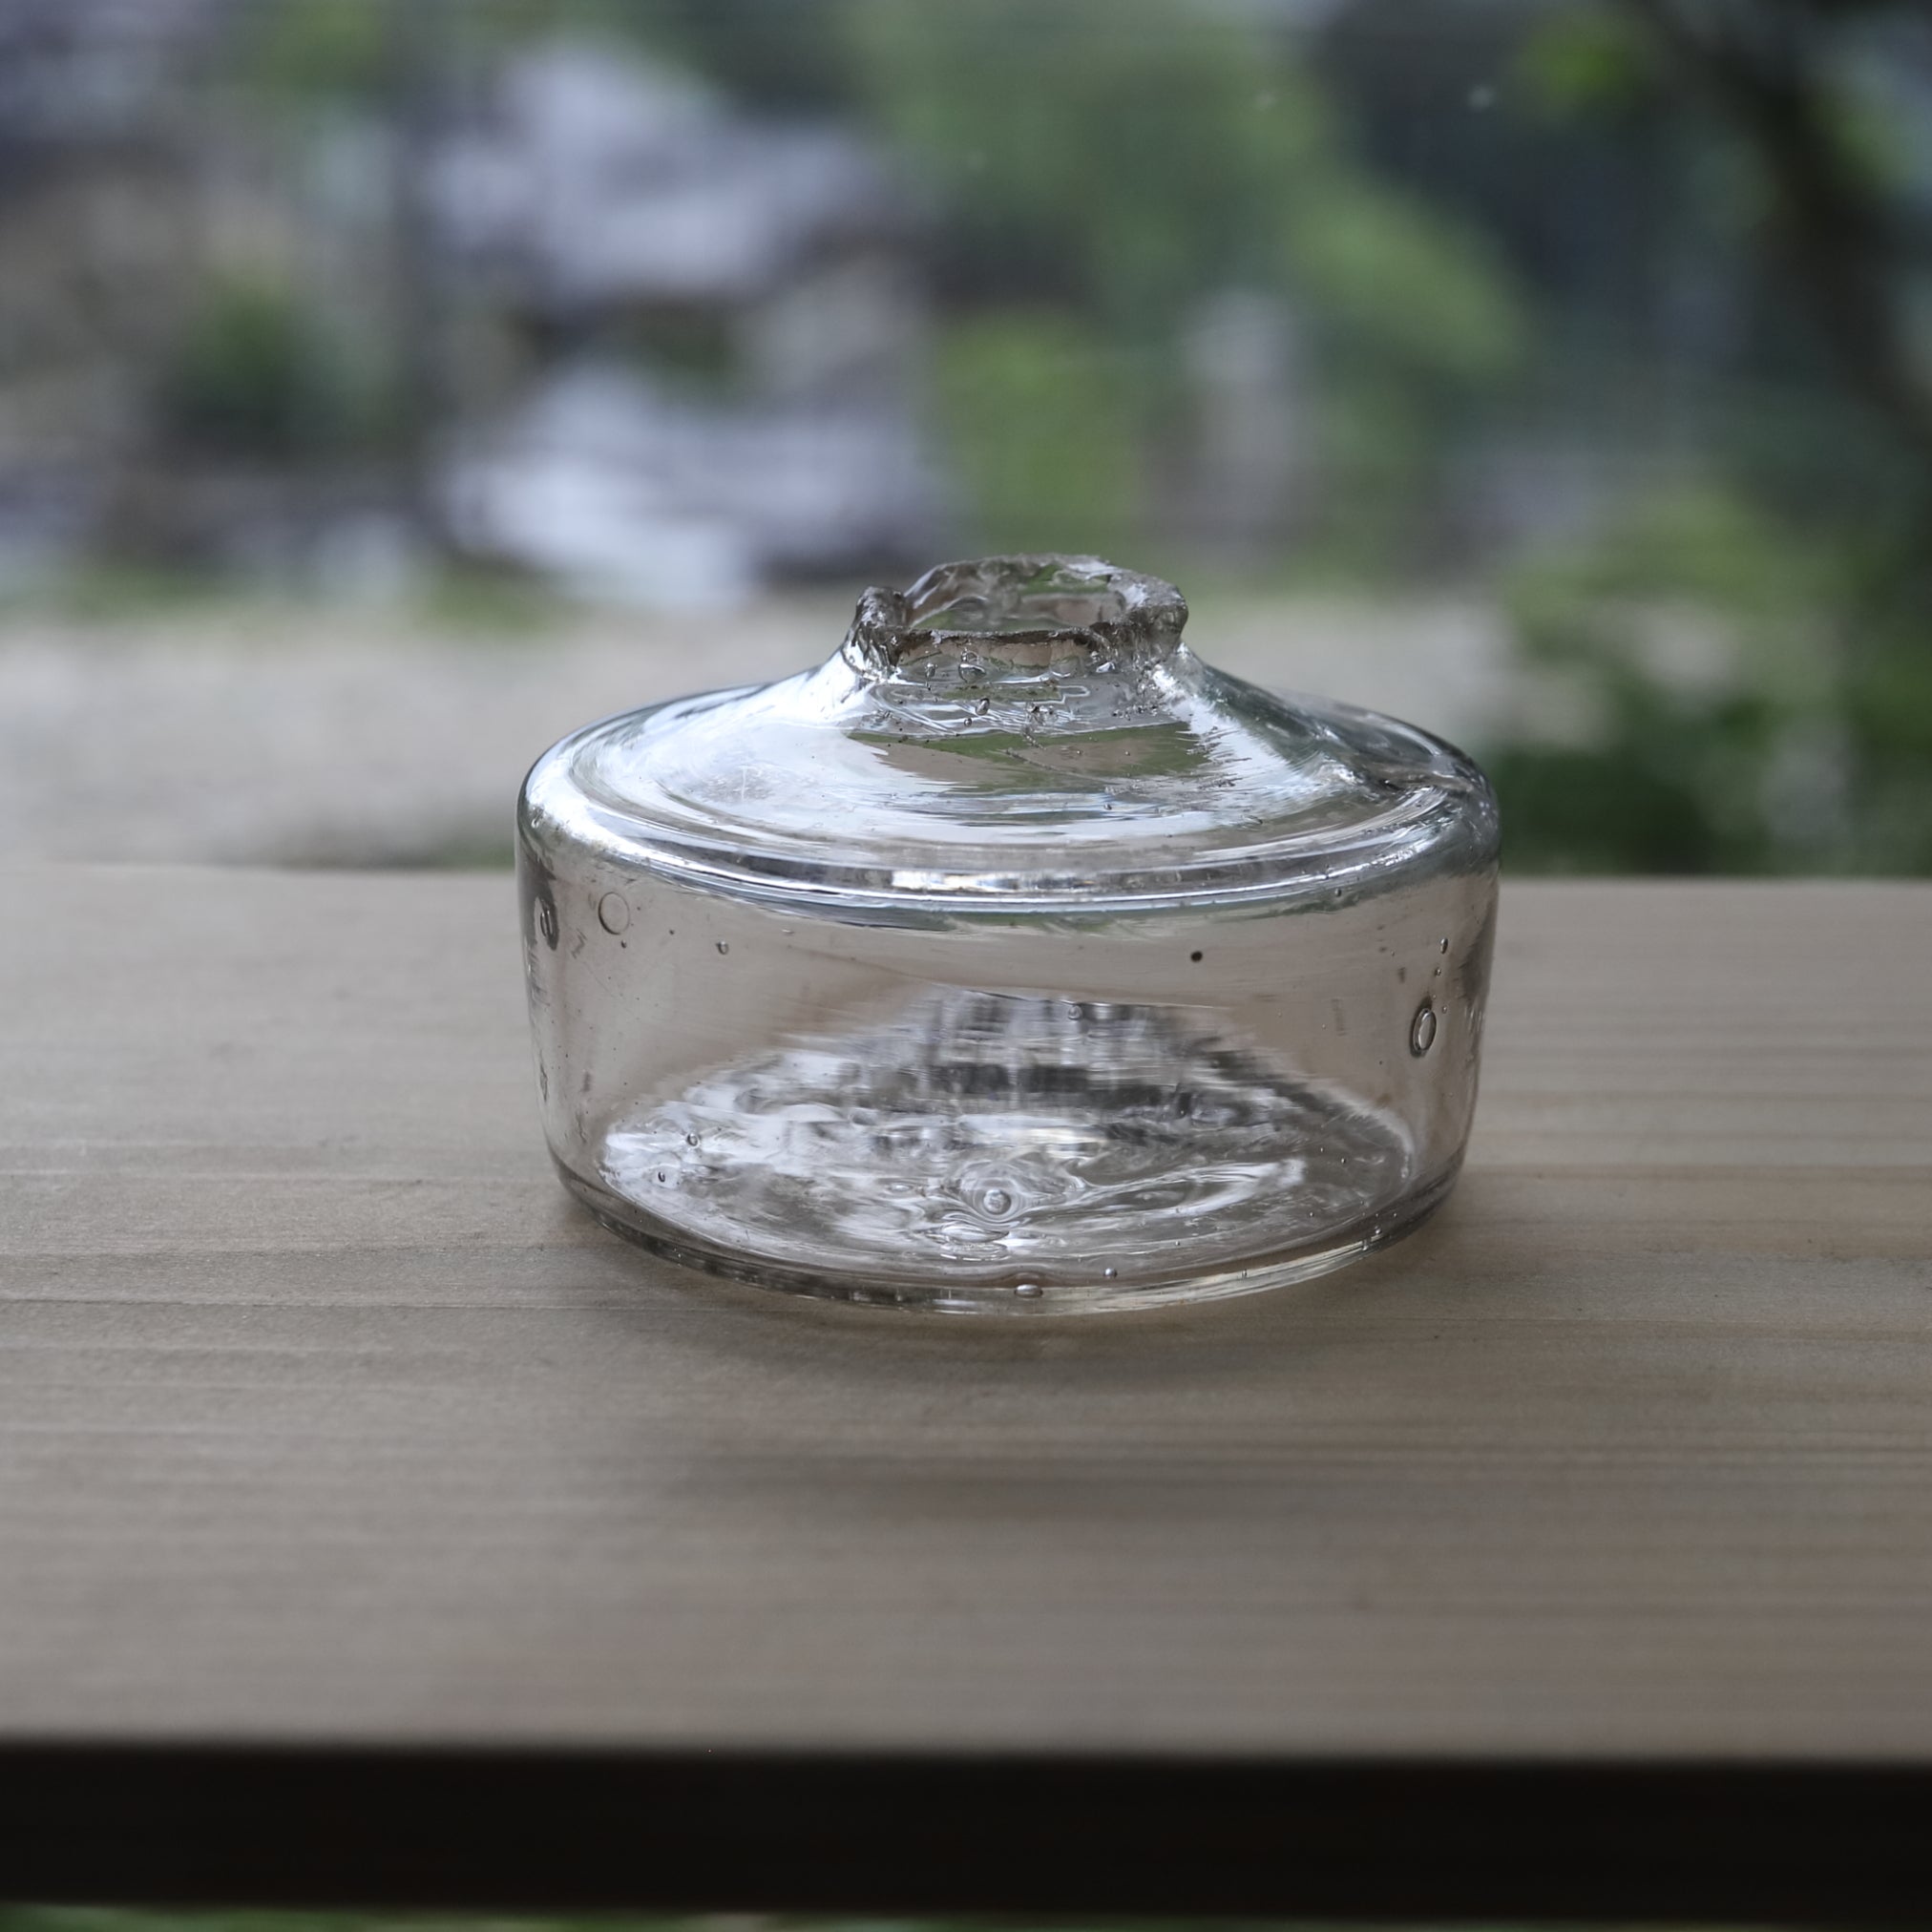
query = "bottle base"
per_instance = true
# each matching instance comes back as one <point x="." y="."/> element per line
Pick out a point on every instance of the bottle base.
<point x="1062" y="1292"/>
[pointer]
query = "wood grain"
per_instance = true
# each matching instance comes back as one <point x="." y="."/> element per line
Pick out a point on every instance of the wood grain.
<point x="325" y="1418"/>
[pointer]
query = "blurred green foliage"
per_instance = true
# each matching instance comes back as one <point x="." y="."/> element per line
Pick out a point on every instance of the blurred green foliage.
<point x="1129" y="151"/>
<point x="1124" y="159"/>
<point x="316" y="48"/>
<point x="1586" y="60"/>
<point x="1759" y="689"/>
<point x="1805" y="555"/>
<point x="365" y="51"/>
<point x="1041" y="414"/>
<point x="255" y="374"/>
<point x="1693" y="631"/>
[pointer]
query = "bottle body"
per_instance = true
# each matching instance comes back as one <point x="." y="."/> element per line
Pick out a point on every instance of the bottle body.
<point x="1012" y="960"/>
<point x="995" y="1110"/>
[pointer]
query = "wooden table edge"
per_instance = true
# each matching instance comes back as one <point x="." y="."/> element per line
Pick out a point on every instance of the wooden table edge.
<point x="549" y="1829"/>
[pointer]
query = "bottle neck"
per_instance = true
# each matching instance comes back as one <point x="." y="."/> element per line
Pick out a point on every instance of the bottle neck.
<point x="1013" y="620"/>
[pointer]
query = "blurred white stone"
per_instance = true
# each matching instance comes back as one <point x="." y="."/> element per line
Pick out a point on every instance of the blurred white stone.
<point x="598" y="196"/>
<point x="619" y="491"/>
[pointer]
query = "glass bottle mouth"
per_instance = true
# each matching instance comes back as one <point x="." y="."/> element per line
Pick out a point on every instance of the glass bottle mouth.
<point x="1026" y="613"/>
<point x="1017" y="734"/>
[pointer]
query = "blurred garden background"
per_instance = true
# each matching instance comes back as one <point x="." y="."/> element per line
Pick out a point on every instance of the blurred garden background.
<point x="386" y="386"/>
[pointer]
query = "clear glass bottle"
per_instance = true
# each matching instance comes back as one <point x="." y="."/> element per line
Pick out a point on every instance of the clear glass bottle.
<point x="1013" y="960"/>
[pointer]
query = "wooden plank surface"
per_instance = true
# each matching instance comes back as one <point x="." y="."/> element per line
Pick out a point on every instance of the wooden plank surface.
<point x="327" y="1420"/>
